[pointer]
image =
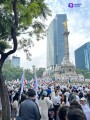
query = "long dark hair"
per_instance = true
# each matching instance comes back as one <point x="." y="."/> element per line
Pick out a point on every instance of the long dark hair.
<point x="62" y="112"/>
<point x="64" y="99"/>
<point x="43" y="96"/>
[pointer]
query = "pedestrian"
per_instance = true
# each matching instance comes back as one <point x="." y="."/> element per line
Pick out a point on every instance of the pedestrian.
<point x="63" y="112"/>
<point x="29" y="109"/>
<point x="88" y="98"/>
<point x="85" y="107"/>
<point x="75" y="114"/>
<point x="14" y="105"/>
<point x="45" y="103"/>
<point x="64" y="101"/>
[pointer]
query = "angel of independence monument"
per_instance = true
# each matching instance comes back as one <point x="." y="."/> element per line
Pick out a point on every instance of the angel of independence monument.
<point x="67" y="69"/>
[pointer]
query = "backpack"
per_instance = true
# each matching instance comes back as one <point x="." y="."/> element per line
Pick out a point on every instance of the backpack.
<point x="51" y="114"/>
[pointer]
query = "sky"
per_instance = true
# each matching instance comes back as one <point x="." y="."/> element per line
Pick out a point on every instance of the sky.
<point x="78" y="25"/>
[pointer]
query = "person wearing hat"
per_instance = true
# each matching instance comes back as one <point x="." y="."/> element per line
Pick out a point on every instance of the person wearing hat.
<point x="85" y="107"/>
<point x="45" y="103"/>
<point x="29" y="109"/>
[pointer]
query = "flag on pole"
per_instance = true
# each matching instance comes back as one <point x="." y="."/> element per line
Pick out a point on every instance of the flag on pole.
<point x="35" y="84"/>
<point x="22" y="82"/>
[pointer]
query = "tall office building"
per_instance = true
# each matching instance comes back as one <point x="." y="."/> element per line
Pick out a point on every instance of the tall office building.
<point x="82" y="57"/>
<point x="55" y="41"/>
<point x="16" y="61"/>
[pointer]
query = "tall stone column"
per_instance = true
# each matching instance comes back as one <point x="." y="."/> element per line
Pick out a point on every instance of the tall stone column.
<point x="66" y="46"/>
<point x="66" y="65"/>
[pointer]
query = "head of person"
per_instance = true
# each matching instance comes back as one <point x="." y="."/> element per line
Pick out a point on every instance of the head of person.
<point x="63" y="112"/>
<point x="23" y="97"/>
<point x="76" y="92"/>
<point x="56" y="92"/>
<point x="16" y="97"/>
<point x="44" y="94"/>
<point x="75" y="114"/>
<point x="63" y="98"/>
<point x="80" y="95"/>
<point x="31" y="94"/>
<point x="75" y="104"/>
<point x="60" y="94"/>
<point x="83" y="101"/>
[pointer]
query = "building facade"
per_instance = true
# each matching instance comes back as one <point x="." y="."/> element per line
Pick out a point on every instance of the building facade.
<point x="15" y="61"/>
<point x="55" y="41"/>
<point x="82" y="57"/>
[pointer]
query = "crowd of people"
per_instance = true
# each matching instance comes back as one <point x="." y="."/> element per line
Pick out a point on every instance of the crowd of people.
<point x="54" y="102"/>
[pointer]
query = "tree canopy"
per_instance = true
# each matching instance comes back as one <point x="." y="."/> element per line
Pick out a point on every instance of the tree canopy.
<point x="85" y="73"/>
<point x="25" y="16"/>
<point x="18" y="17"/>
<point x="40" y="72"/>
<point x="12" y="73"/>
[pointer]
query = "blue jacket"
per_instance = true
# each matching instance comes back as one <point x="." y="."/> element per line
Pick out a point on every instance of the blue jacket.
<point x="29" y="110"/>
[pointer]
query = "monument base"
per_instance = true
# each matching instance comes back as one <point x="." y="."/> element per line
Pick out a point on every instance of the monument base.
<point x="67" y="72"/>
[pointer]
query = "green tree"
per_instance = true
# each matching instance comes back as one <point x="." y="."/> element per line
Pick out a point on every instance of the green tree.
<point x="16" y="17"/>
<point x="40" y="72"/>
<point x="85" y="73"/>
<point x="11" y="73"/>
<point x="28" y="74"/>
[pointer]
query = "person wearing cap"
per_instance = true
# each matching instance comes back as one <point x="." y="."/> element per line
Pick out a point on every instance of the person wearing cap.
<point x="45" y="103"/>
<point x="29" y="109"/>
<point x="85" y="107"/>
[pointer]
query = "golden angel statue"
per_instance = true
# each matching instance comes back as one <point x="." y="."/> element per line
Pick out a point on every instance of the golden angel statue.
<point x="65" y="24"/>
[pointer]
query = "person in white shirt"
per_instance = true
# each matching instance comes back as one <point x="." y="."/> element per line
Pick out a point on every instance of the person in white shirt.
<point x="44" y="104"/>
<point x="85" y="107"/>
<point x="76" y="94"/>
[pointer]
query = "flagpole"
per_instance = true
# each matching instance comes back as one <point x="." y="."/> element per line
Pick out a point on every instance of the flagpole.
<point x="22" y="82"/>
<point x="35" y="82"/>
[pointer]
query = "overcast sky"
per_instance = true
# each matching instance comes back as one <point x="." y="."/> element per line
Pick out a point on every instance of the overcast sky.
<point x="78" y="25"/>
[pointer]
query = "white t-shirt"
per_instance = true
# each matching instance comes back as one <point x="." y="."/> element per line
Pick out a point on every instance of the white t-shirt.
<point x="86" y="110"/>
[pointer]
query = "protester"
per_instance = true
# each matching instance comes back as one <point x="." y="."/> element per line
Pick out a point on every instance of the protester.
<point x="61" y="95"/>
<point x="45" y="103"/>
<point x="76" y="94"/>
<point x="23" y="97"/>
<point x="56" y="105"/>
<point x="88" y="98"/>
<point x="63" y="112"/>
<point x="75" y="104"/>
<point x="75" y="114"/>
<point x="28" y="108"/>
<point x="14" y="104"/>
<point x="64" y="101"/>
<point x="71" y="97"/>
<point x="85" y="107"/>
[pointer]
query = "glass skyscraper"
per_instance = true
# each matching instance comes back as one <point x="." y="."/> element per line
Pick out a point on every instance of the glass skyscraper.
<point x="55" y="41"/>
<point x="82" y="57"/>
<point x="16" y="61"/>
